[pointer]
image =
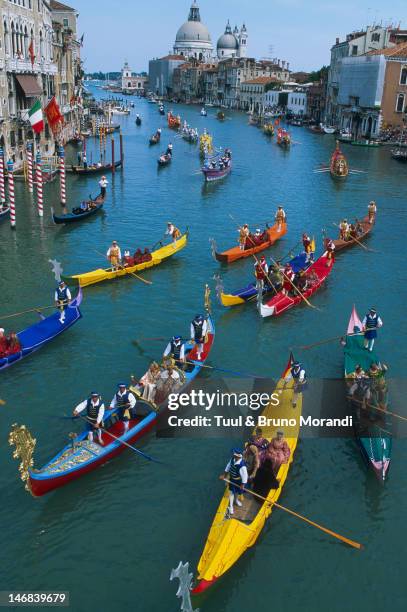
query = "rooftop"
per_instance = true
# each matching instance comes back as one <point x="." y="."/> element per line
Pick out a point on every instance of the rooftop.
<point x="173" y="57"/>
<point x="58" y="6"/>
<point x="397" y="51"/>
<point x="264" y="80"/>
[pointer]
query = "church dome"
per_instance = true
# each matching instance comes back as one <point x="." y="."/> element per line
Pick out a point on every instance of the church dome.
<point x="227" y="41"/>
<point x="193" y="31"/>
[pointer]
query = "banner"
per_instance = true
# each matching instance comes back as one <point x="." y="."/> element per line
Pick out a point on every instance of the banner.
<point x="54" y="115"/>
<point x="36" y="118"/>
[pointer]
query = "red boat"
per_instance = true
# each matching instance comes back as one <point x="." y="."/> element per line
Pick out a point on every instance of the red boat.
<point x="316" y="274"/>
<point x="173" y="121"/>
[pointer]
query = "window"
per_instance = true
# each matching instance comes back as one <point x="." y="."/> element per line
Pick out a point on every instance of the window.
<point x="403" y="76"/>
<point x="375" y="37"/>
<point x="354" y="49"/>
<point x="66" y="23"/>
<point x="400" y="103"/>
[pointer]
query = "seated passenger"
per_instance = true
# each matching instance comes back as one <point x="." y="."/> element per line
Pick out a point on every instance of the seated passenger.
<point x="147" y="255"/>
<point x="14" y="344"/>
<point x="137" y="257"/>
<point x="149" y="381"/>
<point x="265" y="479"/>
<point x="278" y="451"/>
<point x="251" y="458"/>
<point x="3" y="343"/>
<point x="127" y="259"/>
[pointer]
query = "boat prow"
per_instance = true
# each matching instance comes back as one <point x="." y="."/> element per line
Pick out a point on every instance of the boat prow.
<point x="230" y="300"/>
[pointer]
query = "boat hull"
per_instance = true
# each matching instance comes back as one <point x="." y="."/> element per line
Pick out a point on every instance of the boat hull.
<point x="72" y="218"/>
<point x="80" y="171"/>
<point x="216" y="175"/>
<point x="345" y="244"/>
<point x="236" y="253"/>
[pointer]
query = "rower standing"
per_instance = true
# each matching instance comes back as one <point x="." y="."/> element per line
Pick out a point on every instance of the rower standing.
<point x="62" y="299"/>
<point x="280" y="218"/>
<point x="95" y="410"/>
<point x="125" y="402"/>
<point x="175" y="349"/>
<point x="172" y="231"/>
<point x="103" y="183"/>
<point x="297" y="374"/>
<point x="169" y="149"/>
<point x="307" y="244"/>
<point x="330" y="248"/>
<point x="372" y="210"/>
<point x="199" y="329"/>
<point x="260" y="272"/>
<point x="236" y="473"/>
<point x="243" y="236"/>
<point x="371" y="323"/>
<point x="114" y="255"/>
<point x="288" y="276"/>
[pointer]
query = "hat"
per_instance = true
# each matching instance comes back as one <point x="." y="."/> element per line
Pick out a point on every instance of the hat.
<point x="2" y="330"/>
<point x="103" y="177"/>
<point x="114" y="242"/>
<point x="176" y="337"/>
<point x="61" y="282"/>
<point x="296" y="364"/>
<point x="198" y="316"/>
<point x="122" y="384"/>
<point x="237" y="451"/>
<point x="372" y="309"/>
<point x="94" y="394"/>
<point x="258" y="229"/>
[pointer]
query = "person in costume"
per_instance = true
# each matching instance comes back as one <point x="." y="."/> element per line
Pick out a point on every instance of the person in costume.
<point x="371" y="324"/>
<point x="307" y="244"/>
<point x="261" y="272"/>
<point x="278" y="451"/>
<point x="243" y="236"/>
<point x="372" y="210"/>
<point x="298" y="375"/>
<point x="125" y="402"/>
<point x="95" y="410"/>
<point x="176" y="349"/>
<point x="62" y="298"/>
<point x="236" y="474"/>
<point x="114" y="255"/>
<point x="280" y="218"/>
<point x="103" y="183"/>
<point x="199" y="329"/>
<point x="172" y="231"/>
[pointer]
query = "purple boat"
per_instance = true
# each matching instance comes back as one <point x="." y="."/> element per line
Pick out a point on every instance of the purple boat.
<point x="217" y="166"/>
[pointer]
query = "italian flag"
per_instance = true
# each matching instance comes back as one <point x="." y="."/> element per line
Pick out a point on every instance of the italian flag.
<point x="35" y="117"/>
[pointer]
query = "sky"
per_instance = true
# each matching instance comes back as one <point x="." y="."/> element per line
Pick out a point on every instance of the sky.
<point x="299" y="31"/>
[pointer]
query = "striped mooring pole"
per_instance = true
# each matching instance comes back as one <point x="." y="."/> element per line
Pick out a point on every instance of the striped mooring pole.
<point x="40" y="197"/>
<point x="10" y="170"/>
<point x="2" y="183"/>
<point x="62" y="175"/>
<point x="30" y="167"/>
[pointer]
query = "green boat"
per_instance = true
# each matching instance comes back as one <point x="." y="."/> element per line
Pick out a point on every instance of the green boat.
<point x="372" y="424"/>
<point x="365" y="143"/>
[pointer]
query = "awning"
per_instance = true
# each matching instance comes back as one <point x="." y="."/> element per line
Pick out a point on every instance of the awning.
<point x="29" y="85"/>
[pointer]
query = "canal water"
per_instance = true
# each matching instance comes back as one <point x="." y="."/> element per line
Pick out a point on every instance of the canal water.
<point x="111" y="538"/>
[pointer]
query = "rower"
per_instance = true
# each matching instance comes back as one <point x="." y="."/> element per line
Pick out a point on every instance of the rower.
<point x="330" y="248"/>
<point x="84" y="161"/>
<point x="300" y="281"/>
<point x="172" y="231"/>
<point x="288" y="276"/>
<point x="236" y="473"/>
<point x="125" y="402"/>
<point x="297" y="374"/>
<point x="307" y="243"/>
<point x="13" y="344"/>
<point x="103" y="183"/>
<point x="114" y="255"/>
<point x="371" y="323"/>
<point x="199" y="329"/>
<point x="260" y="272"/>
<point x="372" y="210"/>
<point x="343" y="229"/>
<point x="359" y="378"/>
<point x="95" y="410"/>
<point x="176" y="349"/>
<point x="280" y="218"/>
<point x="62" y="299"/>
<point x="243" y="236"/>
<point x="169" y="150"/>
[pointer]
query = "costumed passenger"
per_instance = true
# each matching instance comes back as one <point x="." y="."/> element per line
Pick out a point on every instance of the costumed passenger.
<point x="199" y="329"/>
<point x="62" y="298"/>
<point x="95" y="410"/>
<point x="236" y="473"/>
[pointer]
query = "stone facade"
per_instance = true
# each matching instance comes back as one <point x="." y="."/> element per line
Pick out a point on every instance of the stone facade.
<point x="132" y="83"/>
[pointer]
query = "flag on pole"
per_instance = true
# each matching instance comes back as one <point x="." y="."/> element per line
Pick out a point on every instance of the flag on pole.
<point x="36" y="118"/>
<point x="53" y="114"/>
<point x="31" y="52"/>
<point x="81" y="40"/>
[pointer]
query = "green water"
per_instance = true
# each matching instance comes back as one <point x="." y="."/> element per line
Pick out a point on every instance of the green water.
<point x="112" y="537"/>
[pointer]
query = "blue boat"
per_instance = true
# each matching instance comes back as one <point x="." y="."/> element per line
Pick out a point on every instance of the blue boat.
<point x="77" y="214"/>
<point x="81" y="455"/>
<point x="249" y="293"/>
<point x="34" y="337"/>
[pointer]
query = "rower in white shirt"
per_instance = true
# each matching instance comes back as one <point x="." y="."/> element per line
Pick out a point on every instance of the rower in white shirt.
<point x="199" y="329"/>
<point x="125" y="401"/>
<point x="95" y="410"/>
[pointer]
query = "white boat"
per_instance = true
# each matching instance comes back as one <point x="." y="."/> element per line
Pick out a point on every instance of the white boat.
<point x="328" y="129"/>
<point x="203" y="112"/>
<point x="120" y="110"/>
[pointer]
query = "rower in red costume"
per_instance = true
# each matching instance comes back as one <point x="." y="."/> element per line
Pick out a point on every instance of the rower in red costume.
<point x="260" y="272"/>
<point x="289" y="276"/>
<point x="3" y="343"/>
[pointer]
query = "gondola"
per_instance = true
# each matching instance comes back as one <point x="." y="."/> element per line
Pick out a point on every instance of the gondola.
<point x="283" y="138"/>
<point x="282" y="302"/>
<point x="93" y="169"/>
<point x="81" y="456"/>
<point x="4" y="211"/>
<point x="341" y="244"/>
<point x="230" y="536"/>
<point x="157" y="257"/>
<point x="79" y="215"/>
<point x="138" y="120"/>
<point x="161" y="110"/>
<point x="173" y="122"/>
<point x="338" y="166"/>
<point x="164" y="159"/>
<point x="155" y="138"/>
<point x="249" y="293"/>
<point x="217" y="167"/>
<point x="36" y="336"/>
<point x="236" y="253"/>
<point x="399" y="155"/>
<point x="372" y="427"/>
<point x="220" y="116"/>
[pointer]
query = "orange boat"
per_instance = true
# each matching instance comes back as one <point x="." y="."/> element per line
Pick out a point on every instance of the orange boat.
<point x="271" y="236"/>
<point x="173" y="121"/>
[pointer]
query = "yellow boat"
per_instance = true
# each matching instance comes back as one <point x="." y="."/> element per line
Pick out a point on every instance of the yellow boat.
<point x="158" y="256"/>
<point x="229" y="538"/>
<point x="205" y="144"/>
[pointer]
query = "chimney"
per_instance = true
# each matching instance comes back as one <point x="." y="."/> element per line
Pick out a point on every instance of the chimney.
<point x="288" y="65"/>
<point x="283" y="64"/>
<point x="337" y="41"/>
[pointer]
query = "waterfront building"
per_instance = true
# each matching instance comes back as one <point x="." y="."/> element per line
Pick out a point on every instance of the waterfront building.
<point x="132" y="83"/>
<point x="289" y="98"/>
<point x="356" y="44"/>
<point x="160" y="73"/>
<point x="316" y="100"/>
<point x="193" y="38"/>
<point x="252" y="94"/>
<point x="39" y="58"/>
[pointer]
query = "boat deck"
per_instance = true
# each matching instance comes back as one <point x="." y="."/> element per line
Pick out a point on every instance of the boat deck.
<point x="248" y="511"/>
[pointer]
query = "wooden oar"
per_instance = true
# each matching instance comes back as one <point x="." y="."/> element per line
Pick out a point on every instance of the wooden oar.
<point x="131" y="273"/>
<point x="133" y="448"/>
<point x="296" y="288"/>
<point x="308" y="346"/>
<point x="304" y="518"/>
<point x="353" y="239"/>
<point x="290" y="251"/>
<point x="368" y="406"/>
<point x="17" y="314"/>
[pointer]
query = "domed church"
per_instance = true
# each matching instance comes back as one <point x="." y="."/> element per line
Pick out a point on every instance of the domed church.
<point x="193" y="39"/>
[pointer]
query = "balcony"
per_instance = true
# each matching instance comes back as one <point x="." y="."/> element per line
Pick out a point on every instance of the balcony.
<point x="17" y="65"/>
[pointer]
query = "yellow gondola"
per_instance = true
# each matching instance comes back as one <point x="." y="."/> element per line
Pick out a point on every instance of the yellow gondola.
<point x="158" y="256"/>
<point x="229" y="538"/>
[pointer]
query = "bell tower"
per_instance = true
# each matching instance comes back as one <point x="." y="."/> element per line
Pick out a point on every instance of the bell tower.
<point x="242" y="38"/>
